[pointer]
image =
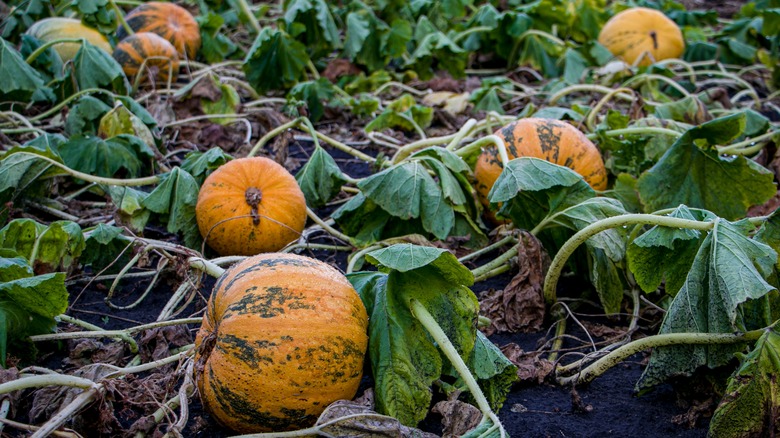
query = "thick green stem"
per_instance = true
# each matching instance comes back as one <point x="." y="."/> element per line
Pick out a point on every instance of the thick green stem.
<point x="356" y="257"/>
<point x="149" y="180"/>
<point x="470" y="31"/>
<point x="668" y="339"/>
<point x="747" y="145"/>
<point x="120" y="16"/>
<point x="334" y="232"/>
<point x="118" y="334"/>
<point x="480" y="271"/>
<point x="493" y="246"/>
<point x="271" y="134"/>
<point x="35" y="54"/>
<point x="639" y="130"/>
<point x="443" y="342"/>
<point x="590" y="121"/>
<point x="590" y="88"/>
<point x="206" y="266"/>
<point x="55" y="109"/>
<point x="45" y="380"/>
<point x="484" y="141"/>
<point x="250" y="16"/>
<point x="568" y="248"/>
<point x="647" y="77"/>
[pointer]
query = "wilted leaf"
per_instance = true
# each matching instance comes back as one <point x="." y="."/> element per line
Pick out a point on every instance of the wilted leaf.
<point x="349" y="419"/>
<point x="520" y="306"/>
<point x="457" y="417"/>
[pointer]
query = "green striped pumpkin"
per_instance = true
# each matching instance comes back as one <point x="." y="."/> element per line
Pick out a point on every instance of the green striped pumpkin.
<point x="160" y="56"/>
<point x="283" y="337"/>
<point x="57" y="28"/>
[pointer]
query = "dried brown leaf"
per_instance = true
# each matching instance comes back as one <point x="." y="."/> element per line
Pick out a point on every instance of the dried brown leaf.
<point x="531" y="368"/>
<point x="355" y="420"/>
<point x="457" y="417"/>
<point x="520" y="307"/>
<point x="340" y="67"/>
<point x="157" y="343"/>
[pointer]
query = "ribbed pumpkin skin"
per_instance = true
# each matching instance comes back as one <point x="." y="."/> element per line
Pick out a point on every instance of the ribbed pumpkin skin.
<point x="170" y="21"/>
<point x="280" y="214"/>
<point x="55" y="28"/>
<point x="552" y="140"/>
<point x="635" y="31"/>
<point x="161" y="56"/>
<point x="283" y="337"/>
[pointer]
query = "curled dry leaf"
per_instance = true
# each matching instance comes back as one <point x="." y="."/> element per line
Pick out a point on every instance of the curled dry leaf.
<point x="355" y="419"/>
<point x="531" y="368"/>
<point x="452" y="103"/>
<point x="157" y="343"/>
<point x="457" y="417"/>
<point x="7" y="376"/>
<point x="89" y="351"/>
<point x="519" y="307"/>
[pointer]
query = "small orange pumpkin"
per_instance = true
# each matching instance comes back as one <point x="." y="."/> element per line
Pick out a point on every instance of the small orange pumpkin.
<point x="283" y="336"/>
<point x="642" y="32"/>
<point x="160" y="56"/>
<point x="552" y="140"/>
<point x="250" y="205"/>
<point x="170" y="21"/>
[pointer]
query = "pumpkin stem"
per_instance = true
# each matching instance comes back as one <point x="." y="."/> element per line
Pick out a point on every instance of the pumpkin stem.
<point x="253" y="197"/>
<point x="654" y="36"/>
<point x="204" y="351"/>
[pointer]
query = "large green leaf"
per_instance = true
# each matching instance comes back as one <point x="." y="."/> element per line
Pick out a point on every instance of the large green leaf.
<point x="692" y="173"/>
<point x="96" y="13"/>
<point x="752" y="399"/>
<point x="407" y="191"/>
<point x="399" y="114"/>
<point x="435" y="49"/>
<point x="664" y="253"/>
<point x="93" y="155"/>
<point x="94" y="68"/>
<point x="320" y="178"/>
<point x="404" y="359"/>
<point x="312" y="23"/>
<point x="175" y="199"/>
<point x="275" y="61"/>
<point x="105" y="250"/>
<point x="729" y="269"/>
<point x="129" y="211"/>
<point x="48" y="248"/>
<point x="22" y="170"/>
<point x="201" y="164"/>
<point x="20" y="81"/>
<point x="84" y="117"/>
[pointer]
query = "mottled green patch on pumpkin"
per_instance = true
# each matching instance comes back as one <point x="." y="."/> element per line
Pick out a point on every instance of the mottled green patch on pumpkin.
<point x="248" y="352"/>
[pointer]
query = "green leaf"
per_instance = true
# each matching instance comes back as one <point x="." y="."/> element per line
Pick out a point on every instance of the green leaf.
<point x="94" y="68"/>
<point x="320" y="178"/>
<point x="320" y="34"/>
<point x="314" y="93"/>
<point x="105" y="251"/>
<point x="750" y="405"/>
<point x="408" y="191"/>
<point x="215" y="45"/>
<point x="275" y="61"/>
<point x="28" y="307"/>
<point x="48" y="248"/>
<point x="435" y="49"/>
<point x="228" y="102"/>
<point x="22" y="171"/>
<point x="691" y="172"/>
<point x="121" y="120"/>
<point x="664" y="252"/>
<point x="729" y="269"/>
<point x="13" y="266"/>
<point x="400" y="113"/>
<point x="175" y="198"/>
<point x="96" y="13"/>
<point x="105" y="158"/>
<point x="494" y="372"/>
<point x="394" y="43"/>
<point x="404" y="360"/>
<point x="84" y="117"/>
<point x="20" y="80"/>
<point x="363" y="220"/>
<point x="201" y="164"/>
<point x="574" y="66"/>
<point x="129" y="211"/>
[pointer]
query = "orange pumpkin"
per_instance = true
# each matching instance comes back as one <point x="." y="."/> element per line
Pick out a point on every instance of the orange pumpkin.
<point x="283" y="337"/>
<point x="250" y="205"/>
<point x="170" y="21"/>
<point x="552" y="140"/>
<point x="642" y="32"/>
<point x="152" y="51"/>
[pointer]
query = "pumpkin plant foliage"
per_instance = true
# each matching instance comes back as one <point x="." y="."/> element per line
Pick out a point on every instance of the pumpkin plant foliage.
<point x="404" y="360"/>
<point x="693" y="173"/>
<point x="406" y="199"/>
<point x="563" y="203"/>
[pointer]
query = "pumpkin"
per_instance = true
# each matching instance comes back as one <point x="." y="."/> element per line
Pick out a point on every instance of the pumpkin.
<point x="642" y="32"/>
<point x="159" y="55"/>
<point x="283" y="336"/>
<point x="170" y="21"/>
<point x="250" y="205"/>
<point x="56" y="28"/>
<point x="552" y="140"/>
